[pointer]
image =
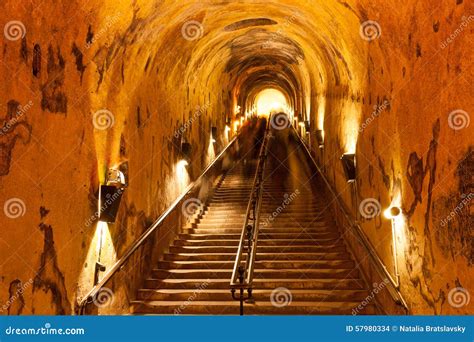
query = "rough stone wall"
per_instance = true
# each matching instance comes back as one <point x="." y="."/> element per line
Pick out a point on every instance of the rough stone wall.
<point x="90" y="85"/>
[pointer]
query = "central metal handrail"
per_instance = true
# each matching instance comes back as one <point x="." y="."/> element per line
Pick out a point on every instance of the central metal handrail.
<point x="242" y="274"/>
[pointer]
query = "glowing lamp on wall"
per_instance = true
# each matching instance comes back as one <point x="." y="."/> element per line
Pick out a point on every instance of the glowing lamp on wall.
<point x="320" y="138"/>
<point x="349" y="165"/>
<point x="392" y="212"/>
<point x="110" y="195"/>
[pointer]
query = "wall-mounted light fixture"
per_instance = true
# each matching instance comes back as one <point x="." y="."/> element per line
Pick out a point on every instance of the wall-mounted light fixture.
<point x="307" y="126"/>
<point x="349" y="164"/>
<point x="236" y="126"/>
<point x="320" y="137"/>
<point x="185" y="153"/>
<point x="392" y="212"/>
<point x="110" y="195"/>
<point x="213" y="134"/>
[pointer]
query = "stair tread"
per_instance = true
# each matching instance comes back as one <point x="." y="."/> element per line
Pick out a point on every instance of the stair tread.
<point x="236" y="303"/>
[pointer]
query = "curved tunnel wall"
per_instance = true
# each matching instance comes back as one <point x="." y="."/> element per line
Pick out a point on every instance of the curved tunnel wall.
<point x="114" y="82"/>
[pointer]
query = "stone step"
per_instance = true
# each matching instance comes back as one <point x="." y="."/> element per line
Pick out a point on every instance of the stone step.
<point x="210" y="224"/>
<point x="262" y="230"/>
<point x="272" y="264"/>
<point x="276" y="225"/>
<point x="261" y="256"/>
<point x="261" y="236"/>
<point x="204" y="294"/>
<point x="260" y="249"/>
<point x="268" y="283"/>
<point x="310" y="273"/>
<point x="258" y="308"/>
<point x="261" y="242"/>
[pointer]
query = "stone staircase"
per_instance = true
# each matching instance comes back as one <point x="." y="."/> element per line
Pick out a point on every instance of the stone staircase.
<point x="302" y="264"/>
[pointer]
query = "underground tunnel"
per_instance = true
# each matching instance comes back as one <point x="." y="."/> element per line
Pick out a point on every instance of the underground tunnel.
<point x="206" y="157"/>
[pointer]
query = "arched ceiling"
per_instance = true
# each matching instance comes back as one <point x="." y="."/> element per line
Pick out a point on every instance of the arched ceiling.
<point x="238" y="46"/>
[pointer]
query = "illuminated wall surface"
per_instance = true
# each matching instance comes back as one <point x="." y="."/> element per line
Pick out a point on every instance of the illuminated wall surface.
<point x="89" y="85"/>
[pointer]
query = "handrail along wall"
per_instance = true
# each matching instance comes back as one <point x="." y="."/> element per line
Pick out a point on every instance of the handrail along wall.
<point x="359" y="233"/>
<point x="117" y="266"/>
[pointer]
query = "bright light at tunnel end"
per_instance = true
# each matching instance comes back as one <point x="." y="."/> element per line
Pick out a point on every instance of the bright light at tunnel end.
<point x="269" y="101"/>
